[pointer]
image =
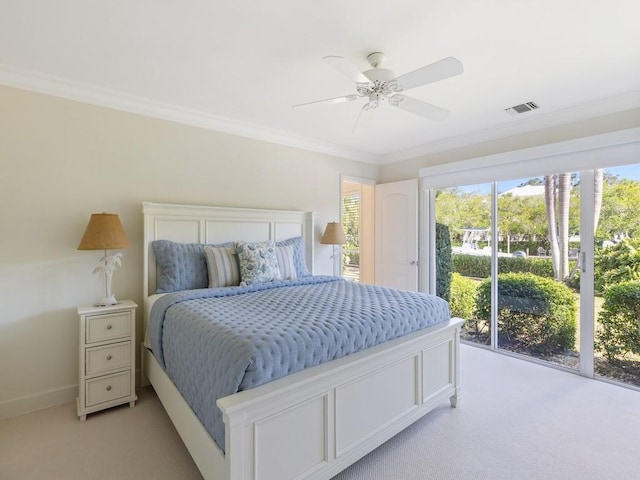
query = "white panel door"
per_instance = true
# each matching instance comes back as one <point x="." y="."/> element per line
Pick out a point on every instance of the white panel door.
<point x="396" y="228"/>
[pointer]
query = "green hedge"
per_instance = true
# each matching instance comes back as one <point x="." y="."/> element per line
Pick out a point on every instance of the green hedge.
<point x="617" y="264"/>
<point x="537" y="312"/>
<point x="443" y="261"/>
<point x="620" y="321"/>
<point x="479" y="266"/>
<point x="463" y="296"/>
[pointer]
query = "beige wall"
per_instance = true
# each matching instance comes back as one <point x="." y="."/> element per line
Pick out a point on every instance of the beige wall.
<point x="60" y="161"/>
<point x="604" y="124"/>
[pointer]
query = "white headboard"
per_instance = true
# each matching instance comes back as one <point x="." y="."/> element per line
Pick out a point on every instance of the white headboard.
<point x="202" y="224"/>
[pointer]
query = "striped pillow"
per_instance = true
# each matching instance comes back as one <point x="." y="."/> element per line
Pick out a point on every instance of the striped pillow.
<point x="299" y="258"/>
<point x="222" y="264"/>
<point x="285" y="262"/>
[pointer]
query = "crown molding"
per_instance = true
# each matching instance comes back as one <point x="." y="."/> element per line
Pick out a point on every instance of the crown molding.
<point x="82" y="92"/>
<point x="538" y="122"/>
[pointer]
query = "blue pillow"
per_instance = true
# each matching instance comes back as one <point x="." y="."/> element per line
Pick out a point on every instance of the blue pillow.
<point x="182" y="266"/>
<point x="299" y="259"/>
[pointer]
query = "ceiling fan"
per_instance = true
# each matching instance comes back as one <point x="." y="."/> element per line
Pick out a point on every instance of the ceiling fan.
<point x="381" y="85"/>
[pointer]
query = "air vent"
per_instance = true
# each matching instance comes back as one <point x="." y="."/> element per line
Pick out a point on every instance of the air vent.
<point x="522" y="108"/>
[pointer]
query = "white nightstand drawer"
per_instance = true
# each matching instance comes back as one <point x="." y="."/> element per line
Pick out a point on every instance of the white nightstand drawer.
<point x="108" y="326"/>
<point x="105" y="389"/>
<point x="108" y="357"/>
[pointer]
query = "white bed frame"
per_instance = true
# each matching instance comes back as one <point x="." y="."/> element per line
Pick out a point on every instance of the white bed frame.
<point x="314" y="423"/>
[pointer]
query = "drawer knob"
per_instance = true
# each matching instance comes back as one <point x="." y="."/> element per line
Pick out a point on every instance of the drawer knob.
<point x="108" y="388"/>
<point x="109" y="327"/>
<point x="109" y="357"/>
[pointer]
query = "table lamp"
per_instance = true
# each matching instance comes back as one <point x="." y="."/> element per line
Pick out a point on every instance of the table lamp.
<point x="334" y="235"/>
<point x="105" y="232"/>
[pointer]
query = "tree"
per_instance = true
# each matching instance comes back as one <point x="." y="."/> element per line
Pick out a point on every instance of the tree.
<point x="460" y="209"/>
<point x="533" y="181"/>
<point x="521" y="218"/>
<point x="550" y="201"/>
<point x="557" y="189"/>
<point x="443" y="261"/>
<point x="620" y="207"/>
<point x="598" y="188"/>
<point x="564" y="206"/>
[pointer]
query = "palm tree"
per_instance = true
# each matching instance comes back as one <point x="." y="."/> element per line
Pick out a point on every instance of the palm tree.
<point x="550" y="201"/>
<point x="557" y="193"/>
<point x="564" y="202"/>
<point x="598" y="188"/>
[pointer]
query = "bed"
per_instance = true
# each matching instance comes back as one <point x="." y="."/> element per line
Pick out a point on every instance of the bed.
<point x="315" y="422"/>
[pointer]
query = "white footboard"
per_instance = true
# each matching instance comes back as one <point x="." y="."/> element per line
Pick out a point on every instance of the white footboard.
<point x="313" y="424"/>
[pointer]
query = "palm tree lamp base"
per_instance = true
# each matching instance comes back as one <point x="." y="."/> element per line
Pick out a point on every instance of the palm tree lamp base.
<point x="107" y="302"/>
<point x="106" y="267"/>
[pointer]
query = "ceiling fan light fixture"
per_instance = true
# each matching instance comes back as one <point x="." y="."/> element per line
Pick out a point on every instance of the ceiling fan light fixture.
<point x="379" y="75"/>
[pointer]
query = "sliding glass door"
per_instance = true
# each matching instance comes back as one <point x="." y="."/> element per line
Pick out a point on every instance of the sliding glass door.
<point x="548" y="267"/>
<point x="463" y="226"/>
<point x="616" y="283"/>
<point x="538" y="224"/>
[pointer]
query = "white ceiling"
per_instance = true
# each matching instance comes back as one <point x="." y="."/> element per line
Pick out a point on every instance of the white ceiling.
<point x="239" y="66"/>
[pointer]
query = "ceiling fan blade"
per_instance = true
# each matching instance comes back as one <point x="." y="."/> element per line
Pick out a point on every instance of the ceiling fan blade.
<point x="346" y="68"/>
<point x="418" y="107"/>
<point x="445" y="68"/>
<point x="346" y="98"/>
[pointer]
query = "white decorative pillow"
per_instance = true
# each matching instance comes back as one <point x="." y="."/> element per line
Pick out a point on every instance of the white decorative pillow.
<point x="222" y="264"/>
<point x="286" y="264"/>
<point x="258" y="262"/>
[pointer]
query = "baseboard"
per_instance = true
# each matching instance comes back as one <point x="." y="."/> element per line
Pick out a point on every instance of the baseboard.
<point x="51" y="398"/>
<point x="38" y="401"/>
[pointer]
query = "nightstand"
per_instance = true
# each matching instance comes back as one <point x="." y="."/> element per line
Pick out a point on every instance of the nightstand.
<point x="107" y="357"/>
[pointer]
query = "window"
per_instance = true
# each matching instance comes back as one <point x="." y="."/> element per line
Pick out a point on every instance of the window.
<point x="357" y="220"/>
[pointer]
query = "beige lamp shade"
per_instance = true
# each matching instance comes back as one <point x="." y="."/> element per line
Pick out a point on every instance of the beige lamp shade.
<point x="333" y="234"/>
<point x="104" y="232"/>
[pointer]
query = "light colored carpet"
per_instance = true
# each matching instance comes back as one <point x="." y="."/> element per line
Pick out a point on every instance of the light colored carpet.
<point x="120" y="443"/>
<point x="515" y="420"/>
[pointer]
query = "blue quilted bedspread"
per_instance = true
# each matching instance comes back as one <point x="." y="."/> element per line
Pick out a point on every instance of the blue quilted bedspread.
<point x="216" y="342"/>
